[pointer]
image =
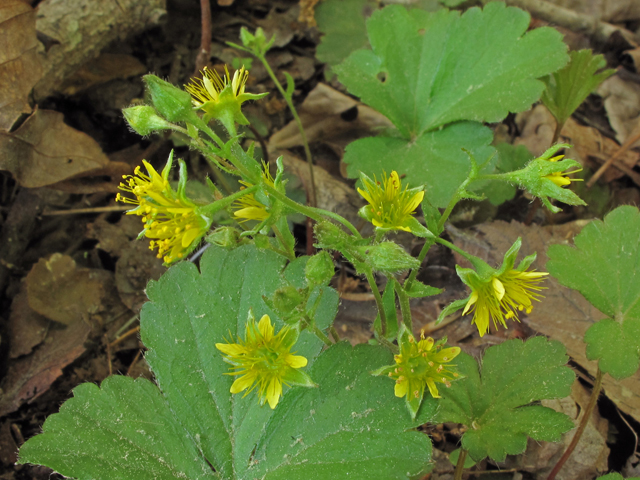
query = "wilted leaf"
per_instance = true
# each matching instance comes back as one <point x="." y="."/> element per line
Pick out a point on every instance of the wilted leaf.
<point x="44" y="150"/>
<point x="20" y="67"/>
<point x="622" y="103"/>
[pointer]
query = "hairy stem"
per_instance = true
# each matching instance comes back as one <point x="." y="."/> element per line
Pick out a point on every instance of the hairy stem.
<point x="376" y="293"/>
<point x="405" y="307"/>
<point x="313" y="201"/>
<point x="593" y="400"/>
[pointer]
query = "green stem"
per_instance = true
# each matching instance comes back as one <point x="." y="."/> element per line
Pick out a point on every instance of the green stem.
<point x="303" y="135"/>
<point x="593" y="400"/>
<point x="405" y="306"/>
<point x="312" y="212"/>
<point x="376" y="293"/>
<point x="423" y="253"/>
<point x="460" y="465"/>
<point x="334" y="334"/>
<point x="451" y="246"/>
<point x="223" y="203"/>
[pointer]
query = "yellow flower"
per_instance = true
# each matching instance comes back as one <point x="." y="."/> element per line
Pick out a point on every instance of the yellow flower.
<point x="420" y="364"/>
<point x="561" y="179"/>
<point x="502" y="297"/>
<point x="209" y="87"/>
<point x="390" y="207"/>
<point x="248" y="207"/>
<point x="173" y="223"/>
<point x="221" y="97"/>
<point x="263" y="361"/>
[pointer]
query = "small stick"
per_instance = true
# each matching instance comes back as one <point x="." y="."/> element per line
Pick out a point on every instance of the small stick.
<point x="625" y="146"/>
<point x="126" y="335"/>
<point x="204" y="54"/>
<point x="135" y="360"/>
<point x="106" y="341"/>
<point x="79" y="211"/>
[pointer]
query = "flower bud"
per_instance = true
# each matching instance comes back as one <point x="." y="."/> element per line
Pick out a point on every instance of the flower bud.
<point x="170" y="102"/>
<point x="144" y="120"/>
<point x="388" y="258"/>
<point x="319" y="269"/>
<point x="257" y="43"/>
<point x="286" y="299"/>
<point x="225" y="237"/>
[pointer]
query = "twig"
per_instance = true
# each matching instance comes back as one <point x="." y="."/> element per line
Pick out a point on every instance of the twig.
<point x="577" y="22"/>
<point x="135" y="360"/>
<point x="122" y="337"/>
<point x="80" y="211"/>
<point x="593" y="400"/>
<point x="106" y="341"/>
<point x="204" y="54"/>
<point x="625" y="146"/>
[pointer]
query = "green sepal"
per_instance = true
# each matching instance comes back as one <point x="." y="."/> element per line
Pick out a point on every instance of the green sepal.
<point x="227" y="108"/>
<point x="226" y="237"/>
<point x="451" y="308"/>
<point x="182" y="180"/>
<point x="432" y="217"/>
<point x="419" y="290"/>
<point x="144" y="120"/>
<point x="298" y="378"/>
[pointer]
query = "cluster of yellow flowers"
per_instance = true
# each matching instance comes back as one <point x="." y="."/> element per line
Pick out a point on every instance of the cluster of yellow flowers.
<point x="173" y="223"/>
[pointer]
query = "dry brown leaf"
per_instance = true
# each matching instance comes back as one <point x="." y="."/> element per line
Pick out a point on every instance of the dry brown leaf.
<point x="29" y="377"/>
<point x="82" y="29"/>
<point x="563" y="314"/>
<point x="107" y="67"/>
<point x="607" y="10"/>
<point x="27" y="328"/>
<point x="622" y="103"/>
<point x="589" y="142"/>
<point x="44" y="150"/>
<point x="20" y="67"/>
<point x="536" y="127"/>
<point x="60" y="290"/>
<point x="323" y="115"/>
<point x="135" y="267"/>
<point x="591" y="455"/>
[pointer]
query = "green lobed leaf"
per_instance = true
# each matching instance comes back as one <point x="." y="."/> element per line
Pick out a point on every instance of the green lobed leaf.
<point x="427" y="70"/>
<point x="192" y="426"/>
<point x="125" y="429"/>
<point x="616" y="476"/>
<point x="604" y="266"/>
<point x="342" y="23"/>
<point x="435" y="159"/>
<point x="570" y="86"/>
<point x="494" y="402"/>
<point x="341" y="429"/>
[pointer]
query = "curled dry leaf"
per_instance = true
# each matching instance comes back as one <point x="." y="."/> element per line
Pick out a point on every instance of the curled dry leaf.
<point x="44" y="150"/>
<point x="19" y="64"/>
<point x="622" y="103"/>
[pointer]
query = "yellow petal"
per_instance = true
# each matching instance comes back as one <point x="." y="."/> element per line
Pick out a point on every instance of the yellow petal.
<point x="433" y="390"/>
<point x="401" y="388"/>
<point x="189" y="236"/>
<point x="232" y="349"/>
<point x="243" y="382"/>
<point x="473" y="298"/>
<point x="274" y="390"/>
<point x="265" y="327"/>
<point x="498" y="287"/>
<point x="296" y="361"/>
